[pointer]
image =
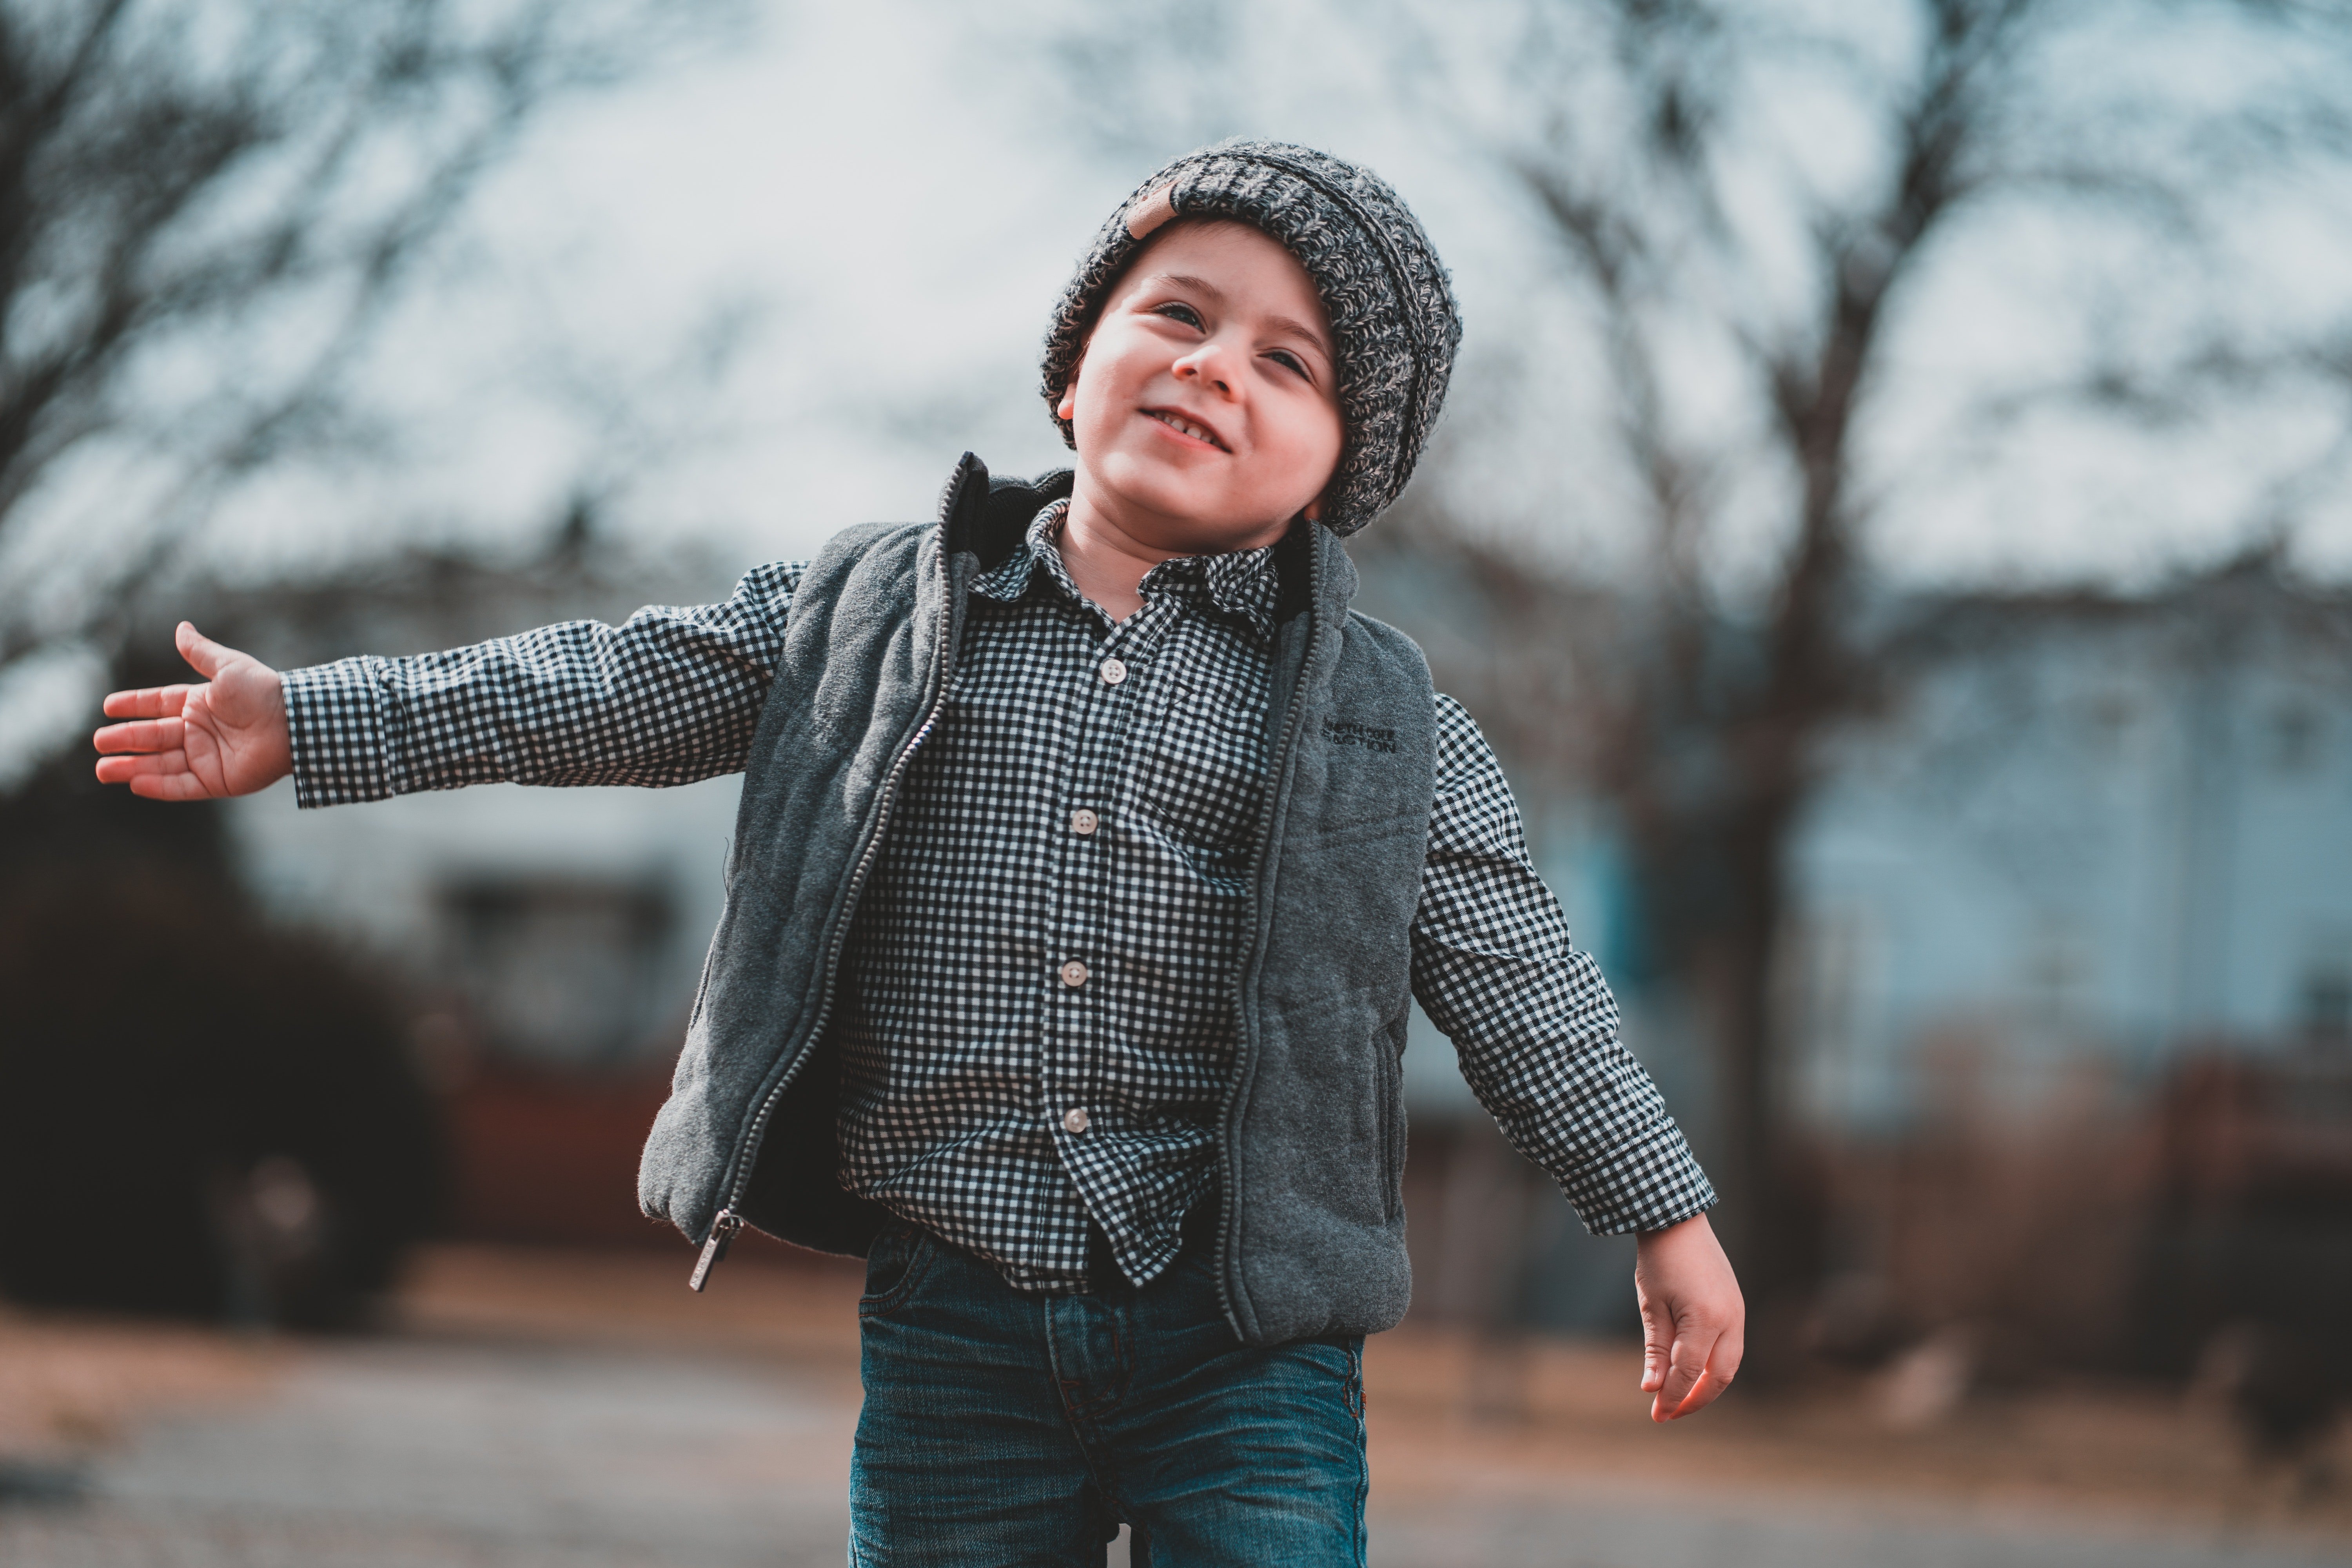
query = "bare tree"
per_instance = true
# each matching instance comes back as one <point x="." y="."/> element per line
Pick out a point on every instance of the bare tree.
<point x="206" y="210"/>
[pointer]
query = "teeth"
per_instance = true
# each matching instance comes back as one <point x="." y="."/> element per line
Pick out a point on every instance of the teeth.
<point x="1186" y="425"/>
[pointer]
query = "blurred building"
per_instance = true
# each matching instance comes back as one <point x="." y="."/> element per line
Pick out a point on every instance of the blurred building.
<point x="2104" y="829"/>
<point x="2069" y="985"/>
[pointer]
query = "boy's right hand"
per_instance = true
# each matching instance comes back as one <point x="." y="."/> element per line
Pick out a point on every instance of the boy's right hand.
<point x="199" y="742"/>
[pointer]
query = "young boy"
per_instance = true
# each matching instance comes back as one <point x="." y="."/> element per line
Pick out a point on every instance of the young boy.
<point x="1090" y="847"/>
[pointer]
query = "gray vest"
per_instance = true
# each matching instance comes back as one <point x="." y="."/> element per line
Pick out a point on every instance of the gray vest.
<point x="1310" y="1239"/>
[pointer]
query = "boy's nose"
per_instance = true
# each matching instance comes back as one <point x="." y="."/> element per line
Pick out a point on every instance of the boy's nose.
<point x="1206" y="365"/>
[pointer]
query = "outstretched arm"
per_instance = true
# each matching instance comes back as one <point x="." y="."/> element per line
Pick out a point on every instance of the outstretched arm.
<point x="199" y="742"/>
<point x="670" y="696"/>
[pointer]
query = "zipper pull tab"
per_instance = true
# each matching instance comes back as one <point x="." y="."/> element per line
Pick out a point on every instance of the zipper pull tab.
<point x="722" y="1232"/>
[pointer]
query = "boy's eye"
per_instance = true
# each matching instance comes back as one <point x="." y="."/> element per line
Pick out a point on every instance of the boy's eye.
<point x="1177" y="310"/>
<point x="1292" y="363"/>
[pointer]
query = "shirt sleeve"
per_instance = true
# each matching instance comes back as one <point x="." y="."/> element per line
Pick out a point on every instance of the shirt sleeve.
<point x="670" y="696"/>
<point x="1530" y="1016"/>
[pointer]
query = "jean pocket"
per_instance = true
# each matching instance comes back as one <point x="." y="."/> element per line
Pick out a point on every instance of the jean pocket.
<point x="901" y="1256"/>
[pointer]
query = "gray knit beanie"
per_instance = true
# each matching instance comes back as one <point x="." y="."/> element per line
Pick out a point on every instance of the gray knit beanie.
<point x="1391" y="309"/>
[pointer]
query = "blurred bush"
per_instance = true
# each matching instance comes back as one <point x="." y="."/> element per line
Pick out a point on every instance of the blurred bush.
<point x="199" y="1114"/>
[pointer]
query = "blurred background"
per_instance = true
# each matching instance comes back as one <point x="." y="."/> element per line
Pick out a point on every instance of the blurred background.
<point x="1891" y="518"/>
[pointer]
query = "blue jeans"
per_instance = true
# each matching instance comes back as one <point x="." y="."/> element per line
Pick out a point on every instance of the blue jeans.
<point x="1003" y="1431"/>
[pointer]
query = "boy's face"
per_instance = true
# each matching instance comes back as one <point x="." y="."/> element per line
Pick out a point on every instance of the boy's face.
<point x="1206" y="407"/>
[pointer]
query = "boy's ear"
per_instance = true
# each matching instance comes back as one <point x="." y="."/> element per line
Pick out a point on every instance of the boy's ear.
<point x="1067" y="408"/>
<point x="1314" y="509"/>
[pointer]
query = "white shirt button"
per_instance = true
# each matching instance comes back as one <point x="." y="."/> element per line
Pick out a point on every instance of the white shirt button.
<point x="1082" y="822"/>
<point x="1074" y="973"/>
<point x="1075" y="1118"/>
<point x="1113" y="672"/>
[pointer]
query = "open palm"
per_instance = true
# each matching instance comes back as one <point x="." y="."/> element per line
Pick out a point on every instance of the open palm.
<point x="199" y="742"/>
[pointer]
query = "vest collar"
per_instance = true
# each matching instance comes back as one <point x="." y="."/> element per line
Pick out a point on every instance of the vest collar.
<point x="988" y="519"/>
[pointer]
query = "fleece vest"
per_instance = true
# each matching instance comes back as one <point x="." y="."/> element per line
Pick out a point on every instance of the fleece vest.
<point x="1310" y="1144"/>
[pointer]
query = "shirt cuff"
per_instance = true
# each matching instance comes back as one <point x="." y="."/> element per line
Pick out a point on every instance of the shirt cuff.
<point x="335" y="728"/>
<point x="1645" y="1185"/>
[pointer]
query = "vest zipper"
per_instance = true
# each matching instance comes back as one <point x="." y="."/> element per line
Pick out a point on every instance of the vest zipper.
<point x="1227" y="1200"/>
<point x="729" y="1220"/>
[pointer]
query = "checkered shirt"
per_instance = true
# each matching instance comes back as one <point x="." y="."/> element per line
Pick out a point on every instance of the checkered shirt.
<point x="988" y="1091"/>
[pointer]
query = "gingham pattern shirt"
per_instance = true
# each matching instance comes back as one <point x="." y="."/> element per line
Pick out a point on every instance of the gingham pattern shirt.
<point x="991" y="1091"/>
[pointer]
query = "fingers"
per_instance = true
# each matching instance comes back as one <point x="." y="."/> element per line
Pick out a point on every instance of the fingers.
<point x="1685" y="1364"/>
<point x="159" y="775"/>
<point x="150" y="767"/>
<point x="149" y="735"/>
<point x="150" y="758"/>
<point x="162" y="702"/>
<point x="1722" y="1366"/>
<point x="1701" y="1367"/>
<point x="200" y="650"/>
<point x="1701" y="1394"/>
<point x="1657" y="1340"/>
<point x="148" y="702"/>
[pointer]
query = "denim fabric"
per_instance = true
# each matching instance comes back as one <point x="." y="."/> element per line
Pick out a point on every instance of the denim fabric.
<point x="1003" y="1430"/>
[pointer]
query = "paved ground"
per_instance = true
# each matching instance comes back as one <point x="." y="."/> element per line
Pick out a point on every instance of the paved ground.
<point x="464" y="1441"/>
<point x="418" y="1455"/>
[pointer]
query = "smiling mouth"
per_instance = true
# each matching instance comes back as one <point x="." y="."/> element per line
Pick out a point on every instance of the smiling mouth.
<point x="1182" y="425"/>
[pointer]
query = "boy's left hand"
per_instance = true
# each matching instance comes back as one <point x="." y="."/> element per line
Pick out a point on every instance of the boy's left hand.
<point x="1694" y="1323"/>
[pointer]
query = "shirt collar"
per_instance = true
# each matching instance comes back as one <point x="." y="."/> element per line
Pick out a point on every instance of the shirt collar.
<point x="1009" y="579"/>
<point x="1240" y="583"/>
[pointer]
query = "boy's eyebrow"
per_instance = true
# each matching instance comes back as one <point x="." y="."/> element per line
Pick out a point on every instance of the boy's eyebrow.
<point x="1198" y="285"/>
<point x="1217" y="295"/>
<point x="1302" y="330"/>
